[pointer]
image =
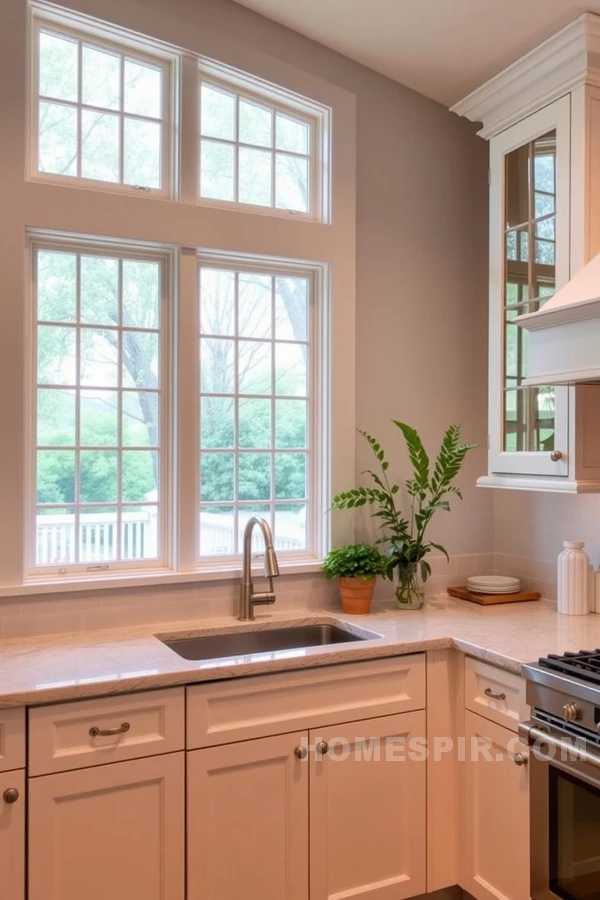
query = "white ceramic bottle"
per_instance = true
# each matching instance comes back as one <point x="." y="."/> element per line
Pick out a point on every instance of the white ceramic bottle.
<point x="573" y="581"/>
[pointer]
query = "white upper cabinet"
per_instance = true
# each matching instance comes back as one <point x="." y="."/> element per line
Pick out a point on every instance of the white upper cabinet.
<point x="542" y="119"/>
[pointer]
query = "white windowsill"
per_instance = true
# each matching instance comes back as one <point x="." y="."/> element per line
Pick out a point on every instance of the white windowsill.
<point x="61" y="585"/>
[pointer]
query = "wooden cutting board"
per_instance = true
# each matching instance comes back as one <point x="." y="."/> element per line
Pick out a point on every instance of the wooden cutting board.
<point x="490" y="599"/>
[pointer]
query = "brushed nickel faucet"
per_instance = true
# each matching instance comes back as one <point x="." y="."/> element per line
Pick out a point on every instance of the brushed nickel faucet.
<point x="249" y="599"/>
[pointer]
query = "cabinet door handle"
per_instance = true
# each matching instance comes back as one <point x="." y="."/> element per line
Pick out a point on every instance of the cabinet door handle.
<point x="301" y="752"/>
<point x="322" y="747"/>
<point x="556" y="456"/>
<point x="11" y="795"/>
<point x="520" y="759"/>
<point x="489" y="693"/>
<point x="109" y="732"/>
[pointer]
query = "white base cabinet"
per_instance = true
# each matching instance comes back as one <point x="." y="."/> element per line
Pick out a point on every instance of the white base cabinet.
<point x="495" y="852"/>
<point x="114" y="831"/>
<point x="12" y="836"/>
<point x="248" y="815"/>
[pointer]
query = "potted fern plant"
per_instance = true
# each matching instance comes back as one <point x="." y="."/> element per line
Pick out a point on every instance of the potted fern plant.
<point x="429" y="490"/>
<point x="356" y="567"/>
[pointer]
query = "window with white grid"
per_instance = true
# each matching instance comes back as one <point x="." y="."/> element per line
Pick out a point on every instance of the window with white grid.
<point x="99" y="409"/>
<point x="256" y="407"/>
<point x="257" y="153"/>
<point x="101" y="112"/>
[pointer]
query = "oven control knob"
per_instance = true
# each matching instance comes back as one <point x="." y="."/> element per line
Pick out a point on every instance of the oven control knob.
<point x="571" y="712"/>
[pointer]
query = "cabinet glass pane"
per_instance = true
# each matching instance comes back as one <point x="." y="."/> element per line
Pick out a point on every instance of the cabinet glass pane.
<point x="529" y="279"/>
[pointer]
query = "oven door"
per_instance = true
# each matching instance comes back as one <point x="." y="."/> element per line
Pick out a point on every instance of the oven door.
<point x="565" y="816"/>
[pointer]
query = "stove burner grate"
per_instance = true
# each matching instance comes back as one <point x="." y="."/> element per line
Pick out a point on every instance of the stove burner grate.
<point x="585" y="664"/>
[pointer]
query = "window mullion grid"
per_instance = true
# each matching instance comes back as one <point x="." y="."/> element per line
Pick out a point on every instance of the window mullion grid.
<point x="120" y="544"/>
<point x="121" y="124"/>
<point x="79" y="110"/>
<point x="236" y="413"/>
<point x="236" y="159"/>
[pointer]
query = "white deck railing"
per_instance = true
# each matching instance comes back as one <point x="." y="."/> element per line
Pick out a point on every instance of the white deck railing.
<point x="98" y="540"/>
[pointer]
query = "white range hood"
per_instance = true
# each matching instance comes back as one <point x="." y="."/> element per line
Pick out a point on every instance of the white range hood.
<point x="564" y="339"/>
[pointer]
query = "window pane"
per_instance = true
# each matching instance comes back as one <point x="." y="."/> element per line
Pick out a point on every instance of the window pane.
<point x="143" y="89"/>
<point x="141" y="293"/>
<point x="139" y="475"/>
<point x="99" y="291"/>
<point x="290" y="476"/>
<point x="56" y="286"/>
<point x="216" y="366"/>
<point x="56" y="355"/>
<point x="216" y="476"/>
<point x="55" y="418"/>
<point x="255" y="367"/>
<point x="292" y="136"/>
<point x="217" y="113"/>
<point x="55" y="536"/>
<point x="57" y="139"/>
<point x="99" y="146"/>
<point x="290" y="423"/>
<point x="99" y="355"/>
<point x="255" y="423"/>
<point x="291" y="183"/>
<point x="139" y="532"/>
<point x="98" y="476"/>
<point x="217" y="533"/>
<point x="217" y="180"/>
<point x="290" y="527"/>
<point x="291" y="309"/>
<point x="256" y="124"/>
<point x="142" y="153"/>
<point x="140" y="359"/>
<point x="55" y="476"/>
<point x="58" y="67"/>
<point x="216" y="422"/>
<point x="255" y="176"/>
<point x="217" y="302"/>
<point x="255" y="305"/>
<point x="98" y="534"/>
<point x="290" y="369"/>
<point x="254" y="476"/>
<point x="101" y="78"/>
<point x="141" y="422"/>
<point x="98" y="421"/>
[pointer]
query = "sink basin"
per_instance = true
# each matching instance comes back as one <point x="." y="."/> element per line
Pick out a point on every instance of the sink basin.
<point x="242" y="643"/>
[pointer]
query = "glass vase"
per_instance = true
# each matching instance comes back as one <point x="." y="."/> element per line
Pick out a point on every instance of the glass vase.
<point x="410" y="593"/>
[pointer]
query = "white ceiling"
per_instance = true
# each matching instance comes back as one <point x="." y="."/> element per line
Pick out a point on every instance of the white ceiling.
<point x="441" y="48"/>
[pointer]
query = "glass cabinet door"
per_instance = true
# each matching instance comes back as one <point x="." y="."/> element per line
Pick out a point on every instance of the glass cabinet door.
<point x="530" y="254"/>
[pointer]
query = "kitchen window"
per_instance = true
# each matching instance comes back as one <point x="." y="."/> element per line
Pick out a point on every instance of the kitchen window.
<point x="259" y="153"/>
<point x="101" y="111"/>
<point x="100" y="407"/>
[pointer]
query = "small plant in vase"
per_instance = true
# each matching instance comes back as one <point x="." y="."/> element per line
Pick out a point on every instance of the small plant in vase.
<point x="356" y="567"/>
<point x="428" y="490"/>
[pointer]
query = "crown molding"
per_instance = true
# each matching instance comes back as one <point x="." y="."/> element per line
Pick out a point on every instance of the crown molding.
<point x="564" y="62"/>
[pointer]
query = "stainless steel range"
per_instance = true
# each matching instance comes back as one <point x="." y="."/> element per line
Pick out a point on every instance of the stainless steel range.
<point x="564" y="735"/>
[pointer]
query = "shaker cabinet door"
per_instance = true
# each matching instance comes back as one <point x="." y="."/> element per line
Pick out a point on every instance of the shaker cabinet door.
<point x="114" y="831"/>
<point x="12" y="835"/>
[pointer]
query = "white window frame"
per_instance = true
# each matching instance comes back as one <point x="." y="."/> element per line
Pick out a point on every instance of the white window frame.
<point x="505" y="464"/>
<point x="167" y="258"/>
<point x="243" y="86"/>
<point x="44" y="18"/>
<point x="318" y="393"/>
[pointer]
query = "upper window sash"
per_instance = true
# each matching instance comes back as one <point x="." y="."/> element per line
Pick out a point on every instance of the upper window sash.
<point x="112" y="129"/>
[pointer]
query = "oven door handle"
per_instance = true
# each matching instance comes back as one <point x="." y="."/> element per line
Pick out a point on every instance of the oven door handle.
<point x="533" y="735"/>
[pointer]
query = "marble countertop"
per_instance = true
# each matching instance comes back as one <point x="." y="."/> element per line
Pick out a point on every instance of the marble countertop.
<point x="65" y="667"/>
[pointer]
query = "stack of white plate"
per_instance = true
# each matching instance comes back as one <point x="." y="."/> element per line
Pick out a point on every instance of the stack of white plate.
<point x="493" y="584"/>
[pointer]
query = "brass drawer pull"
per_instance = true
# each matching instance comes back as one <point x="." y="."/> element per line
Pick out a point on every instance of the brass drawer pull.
<point x="10" y="795"/>
<point x="301" y="752"/>
<point x="109" y="732"/>
<point x="322" y="748"/>
<point x="489" y="693"/>
<point x="520" y="759"/>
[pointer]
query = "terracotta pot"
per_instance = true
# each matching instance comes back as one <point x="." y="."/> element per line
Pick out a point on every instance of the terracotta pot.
<point x="356" y="595"/>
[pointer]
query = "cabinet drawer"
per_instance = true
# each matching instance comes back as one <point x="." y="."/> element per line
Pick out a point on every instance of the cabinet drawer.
<point x="12" y="739"/>
<point x="228" y="711"/>
<point x="494" y="693"/>
<point x="71" y="735"/>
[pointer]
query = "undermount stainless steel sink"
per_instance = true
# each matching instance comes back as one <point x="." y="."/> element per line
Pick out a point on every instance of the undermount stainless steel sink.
<point x="242" y="643"/>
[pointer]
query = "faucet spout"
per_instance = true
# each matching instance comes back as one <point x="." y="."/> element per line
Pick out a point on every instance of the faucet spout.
<point x="248" y="598"/>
